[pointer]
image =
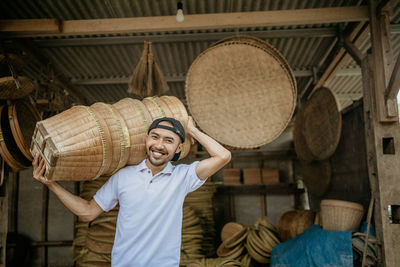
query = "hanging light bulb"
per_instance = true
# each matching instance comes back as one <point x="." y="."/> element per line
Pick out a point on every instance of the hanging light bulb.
<point x="179" y="13"/>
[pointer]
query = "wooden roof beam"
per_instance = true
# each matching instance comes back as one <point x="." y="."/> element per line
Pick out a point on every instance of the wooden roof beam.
<point x="36" y="28"/>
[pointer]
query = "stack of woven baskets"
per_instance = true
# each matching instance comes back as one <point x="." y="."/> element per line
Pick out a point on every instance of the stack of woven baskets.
<point x="192" y="236"/>
<point x="84" y="143"/>
<point x="201" y="201"/>
<point x="241" y="245"/>
<point x="295" y="222"/>
<point x="93" y="242"/>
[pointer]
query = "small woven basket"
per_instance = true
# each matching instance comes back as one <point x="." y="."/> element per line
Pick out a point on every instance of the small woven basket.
<point x="339" y="215"/>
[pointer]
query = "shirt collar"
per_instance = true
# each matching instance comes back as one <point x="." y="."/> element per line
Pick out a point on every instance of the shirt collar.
<point x="167" y="170"/>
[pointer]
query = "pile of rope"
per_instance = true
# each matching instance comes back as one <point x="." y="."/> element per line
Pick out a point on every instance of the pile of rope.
<point x="217" y="262"/>
<point x="93" y="241"/>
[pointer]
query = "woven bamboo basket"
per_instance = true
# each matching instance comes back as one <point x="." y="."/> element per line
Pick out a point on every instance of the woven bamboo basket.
<point x="241" y="94"/>
<point x="9" y="150"/>
<point x="230" y="229"/>
<point x="73" y="145"/>
<point x="339" y="215"/>
<point x="9" y="89"/>
<point x="294" y="222"/>
<point x="116" y="133"/>
<point x="138" y="120"/>
<point x="161" y="107"/>
<point x="23" y="117"/>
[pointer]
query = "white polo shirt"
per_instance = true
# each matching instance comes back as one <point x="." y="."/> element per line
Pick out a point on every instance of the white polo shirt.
<point x="149" y="223"/>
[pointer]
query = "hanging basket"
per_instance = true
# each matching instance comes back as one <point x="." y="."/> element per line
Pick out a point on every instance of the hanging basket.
<point x="241" y="94"/>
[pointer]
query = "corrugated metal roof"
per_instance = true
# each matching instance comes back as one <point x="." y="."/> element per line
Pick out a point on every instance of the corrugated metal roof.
<point x="101" y="64"/>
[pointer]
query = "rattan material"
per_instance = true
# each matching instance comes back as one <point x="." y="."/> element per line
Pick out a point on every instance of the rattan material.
<point x="23" y="117"/>
<point x="9" y="150"/>
<point x="240" y="94"/>
<point x="230" y="229"/>
<point x="294" y="222"/>
<point x="9" y="90"/>
<point x="236" y="239"/>
<point x="73" y="145"/>
<point x="322" y="123"/>
<point x="138" y="120"/>
<point x="317" y="176"/>
<point x="118" y="133"/>
<point x="300" y="144"/>
<point x="339" y="215"/>
<point x="251" y="40"/>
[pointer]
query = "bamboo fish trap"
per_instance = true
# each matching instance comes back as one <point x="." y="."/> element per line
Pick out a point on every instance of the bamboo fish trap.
<point x="84" y="143"/>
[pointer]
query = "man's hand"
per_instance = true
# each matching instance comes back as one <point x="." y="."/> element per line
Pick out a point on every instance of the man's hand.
<point x="39" y="168"/>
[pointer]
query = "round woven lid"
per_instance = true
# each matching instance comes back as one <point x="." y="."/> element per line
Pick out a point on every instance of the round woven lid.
<point x="322" y="123"/>
<point x="317" y="176"/>
<point x="240" y="94"/>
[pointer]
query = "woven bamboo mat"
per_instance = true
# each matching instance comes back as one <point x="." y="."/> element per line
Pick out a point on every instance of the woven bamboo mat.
<point x="240" y="94"/>
<point x="317" y="176"/>
<point x="322" y="123"/>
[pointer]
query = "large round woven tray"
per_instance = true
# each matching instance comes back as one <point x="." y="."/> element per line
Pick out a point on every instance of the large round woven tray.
<point x="23" y="117"/>
<point x="322" y="123"/>
<point x="300" y="144"/>
<point x="317" y="176"/>
<point x="9" y="89"/>
<point x="241" y="94"/>
<point x="9" y="150"/>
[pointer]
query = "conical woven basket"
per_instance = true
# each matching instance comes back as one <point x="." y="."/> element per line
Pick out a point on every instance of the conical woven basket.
<point x="138" y="120"/>
<point x="241" y="94"/>
<point x="73" y="145"/>
<point x="115" y="130"/>
<point x="83" y="143"/>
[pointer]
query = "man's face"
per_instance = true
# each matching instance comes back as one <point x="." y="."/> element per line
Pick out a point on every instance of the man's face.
<point x="162" y="144"/>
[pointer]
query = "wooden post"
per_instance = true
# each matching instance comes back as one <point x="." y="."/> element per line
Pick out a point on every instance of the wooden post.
<point x="3" y="221"/>
<point x="45" y="212"/>
<point x="383" y="157"/>
<point x="14" y="202"/>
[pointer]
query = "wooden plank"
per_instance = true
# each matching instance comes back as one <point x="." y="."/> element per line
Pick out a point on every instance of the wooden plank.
<point x="283" y="188"/>
<point x="383" y="169"/>
<point x="45" y="213"/>
<point x="3" y="221"/>
<point x="200" y="22"/>
<point x="386" y="112"/>
<point x="37" y="26"/>
<point x="394" y="82"/>
<point x="354" y="52"/>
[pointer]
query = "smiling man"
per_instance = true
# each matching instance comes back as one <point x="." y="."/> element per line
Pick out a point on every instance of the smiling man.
<point x="150" y="195"/>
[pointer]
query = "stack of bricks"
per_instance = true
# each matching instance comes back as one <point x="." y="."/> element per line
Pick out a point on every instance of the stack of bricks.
<point x="251" y="176"/>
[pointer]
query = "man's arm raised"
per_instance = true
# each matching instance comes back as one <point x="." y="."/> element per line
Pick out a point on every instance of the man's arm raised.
<point x="220" y="156"/>
<point x="86" y="210"/>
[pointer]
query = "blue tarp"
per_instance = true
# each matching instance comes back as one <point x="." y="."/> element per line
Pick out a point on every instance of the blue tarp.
<point x="315" y="247"/>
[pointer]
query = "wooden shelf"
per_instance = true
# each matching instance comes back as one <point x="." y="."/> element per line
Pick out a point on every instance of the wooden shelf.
<point x="281" y="189"/>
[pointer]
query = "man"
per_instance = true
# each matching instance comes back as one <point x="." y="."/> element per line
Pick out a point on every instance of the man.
<point x="150" y="195"/>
